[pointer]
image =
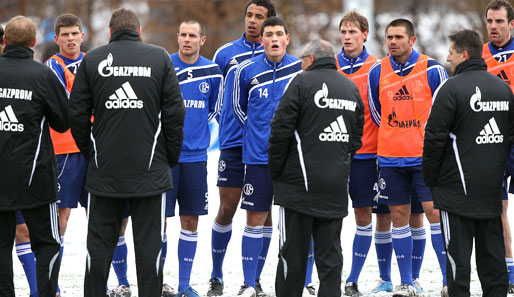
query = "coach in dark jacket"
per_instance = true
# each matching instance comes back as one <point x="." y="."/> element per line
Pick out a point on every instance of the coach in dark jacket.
<point x="133" y="142"/>
<point x="467" y="141"/>
<point x="31" y="99"/>
<point x="315" y="131"/>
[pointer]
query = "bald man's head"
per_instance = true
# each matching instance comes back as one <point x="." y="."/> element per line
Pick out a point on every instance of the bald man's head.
<point x="20" y="31"/>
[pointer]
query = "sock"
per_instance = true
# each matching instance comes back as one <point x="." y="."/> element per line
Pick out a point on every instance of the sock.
<point x="186" y="254"/>
<point x="310" y="265"/>
<point x="419" y="240"/>
<point x="402" y="245"/>
<point x="384" y="248"/>
<point x="438" y="245"/>
<point x="28" y="261"/>
<point x="119" y="262"/>
<point x="164" y="248"/>
<point x="267" y="232"/>
<point x="361" y="244"/>
<point x="60" y="258"/>
<point x="219" y="242"/>
<point x="251" y="247"/>
<point x="510" y="269"/>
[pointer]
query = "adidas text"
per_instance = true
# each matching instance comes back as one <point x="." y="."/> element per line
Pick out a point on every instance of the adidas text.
<point x="490" y="134"/>
<point x="9" y="122"/>
<point x="334" y="137"/>
<point x="11" y="127"/>
<point x="485" y="139"/>
<point x="336" y="131"/>
<point x="125" y="98"/>
<point x="123" y="103"/>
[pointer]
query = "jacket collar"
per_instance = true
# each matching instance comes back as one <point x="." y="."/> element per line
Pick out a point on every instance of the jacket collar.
<point x="249" y="44"/>
<point x="413" y="58"/>
<point x="16" y="51"/>
<point x="321" y="63"/>
<point x="274" y="64"/>
<point x="124" y="35"/>
<point x="472" y="64"/>
<point x="361" y="57"/>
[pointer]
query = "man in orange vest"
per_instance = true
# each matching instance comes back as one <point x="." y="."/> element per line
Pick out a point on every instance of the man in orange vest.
<point x="498" y="56"/>
<point x="400" y="92"/>
<point x="72" y="163"/>
<point x="354" y="62"/>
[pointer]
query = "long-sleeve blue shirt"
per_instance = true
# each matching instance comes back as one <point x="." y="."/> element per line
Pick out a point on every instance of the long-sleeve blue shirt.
<point x="228" y="57"/>
<point x="258" y="87"/>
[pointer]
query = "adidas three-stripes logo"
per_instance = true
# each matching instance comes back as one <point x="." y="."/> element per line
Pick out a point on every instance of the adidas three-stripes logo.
<point x="335" y="132"/>
<point x="503" y="75"/>
<point x="402" y="94"/>
<point x="124" y="97"/>
<point x="9" y="121"/>
<point x="490" y="133"/>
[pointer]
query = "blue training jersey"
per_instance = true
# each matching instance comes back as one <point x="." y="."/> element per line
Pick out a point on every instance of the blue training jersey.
<point x="436" y="75"/>
<point x="72" y="65"/>
<point x="258" y="87"/>
<point x="228" y="57"/>
<point x="201" y="85"/>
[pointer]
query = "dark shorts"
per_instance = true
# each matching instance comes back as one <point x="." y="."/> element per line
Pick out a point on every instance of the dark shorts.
<point x="415" y="207"/>
<point x="363" y="183"/>
<point x="257" y="189"/>
<point x="71" y="178"/>
<point x="189" y="189"/>
<point x="507" y="187"/>
<point x="231" y="170"/>
<point x="19" y="218"/>
<point x="397" y="185"/>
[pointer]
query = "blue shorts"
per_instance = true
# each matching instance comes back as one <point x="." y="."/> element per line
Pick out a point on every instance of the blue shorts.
<point x="415" y="207"/>
<point x="257" y="189"/>
<point x="71" y="179"/>
<point x="380" y="209"/>
<point x="415" y="204"/>
<point x="231" y="170"/>
<point x="397" y="185"/>
<point x="19" y="218"/>
<point x="189" y="188"/>
<point x="507" y="189"/>
<point x="363" y="182"/>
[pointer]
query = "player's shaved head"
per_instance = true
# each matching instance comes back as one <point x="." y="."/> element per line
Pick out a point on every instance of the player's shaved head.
<point x="20" y="31"/>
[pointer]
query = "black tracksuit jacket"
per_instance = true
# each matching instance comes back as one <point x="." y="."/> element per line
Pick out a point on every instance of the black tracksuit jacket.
<point x="131" y="89"/>
<point x="31" y="99"/>
<point x="315" y="131"/>
<point x="467" y="141"/>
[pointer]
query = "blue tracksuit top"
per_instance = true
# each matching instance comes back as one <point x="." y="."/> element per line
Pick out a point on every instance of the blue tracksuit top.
<point x="436" y="75"/>
<point x="228" y="57"/>
<point x="201" y="85"/>
<point x="258" y="87"/>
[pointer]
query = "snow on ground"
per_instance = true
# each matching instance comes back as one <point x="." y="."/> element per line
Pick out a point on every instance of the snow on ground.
<point x="73" y="265"/>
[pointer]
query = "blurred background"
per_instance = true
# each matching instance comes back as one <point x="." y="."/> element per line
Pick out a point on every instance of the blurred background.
<point x="224" y="19"/>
